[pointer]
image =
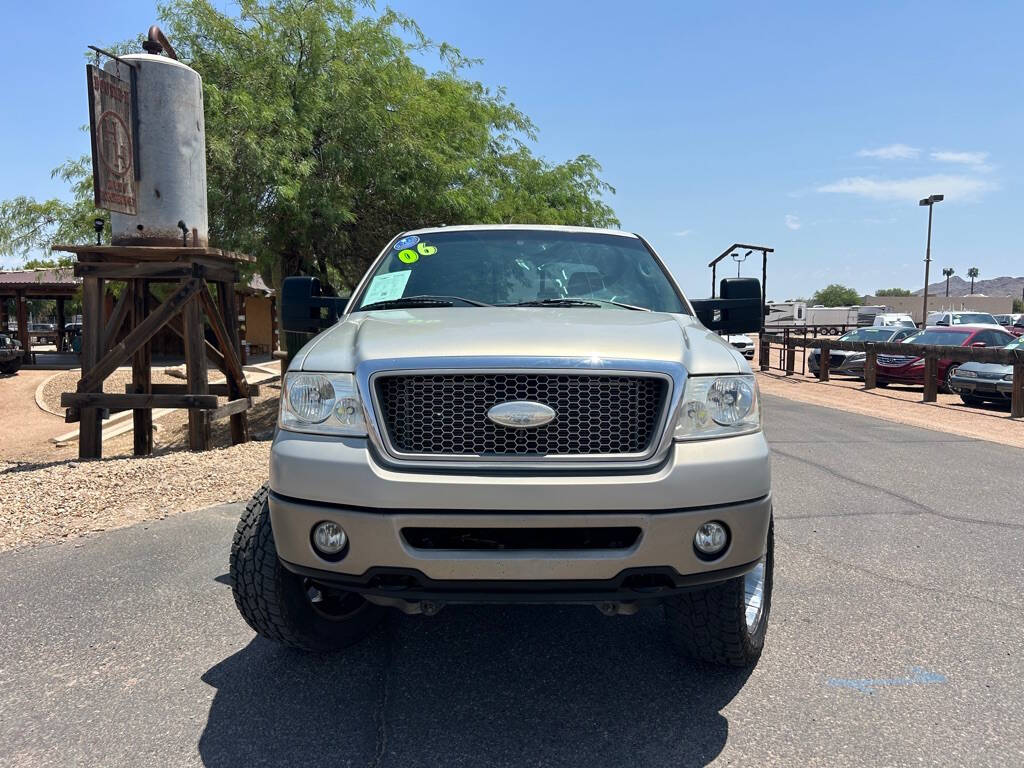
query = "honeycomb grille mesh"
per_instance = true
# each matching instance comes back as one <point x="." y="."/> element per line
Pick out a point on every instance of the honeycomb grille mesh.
<point x="446" y="414"/>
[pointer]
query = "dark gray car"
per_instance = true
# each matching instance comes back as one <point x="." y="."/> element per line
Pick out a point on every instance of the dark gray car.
<point x="852" y="363"/>
<point x="978" y="382"/>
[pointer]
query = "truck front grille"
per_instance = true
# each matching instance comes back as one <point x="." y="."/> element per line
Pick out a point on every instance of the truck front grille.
<point x="446" y="414"/>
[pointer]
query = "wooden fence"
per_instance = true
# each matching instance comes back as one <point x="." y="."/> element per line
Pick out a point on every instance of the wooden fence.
<point x="931" y="354"/>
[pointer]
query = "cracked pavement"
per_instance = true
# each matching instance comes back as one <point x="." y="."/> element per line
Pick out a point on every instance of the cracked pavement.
<point x="895" y="639"/>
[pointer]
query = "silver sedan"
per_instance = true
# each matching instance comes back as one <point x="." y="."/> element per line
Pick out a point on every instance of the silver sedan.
<point x="852" y="363"/>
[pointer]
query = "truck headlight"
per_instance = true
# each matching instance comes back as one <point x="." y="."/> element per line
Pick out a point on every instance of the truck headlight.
<point x="322" y="403"/>
<point x="718" y="406"/>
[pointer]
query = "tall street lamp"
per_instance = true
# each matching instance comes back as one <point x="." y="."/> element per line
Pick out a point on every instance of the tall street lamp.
<point x="930" y="201"/>
<point x="947" y="272"/>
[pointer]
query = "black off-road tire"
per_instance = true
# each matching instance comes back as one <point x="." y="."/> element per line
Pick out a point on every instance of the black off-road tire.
<point x="276" y="602"/>
<point x="710" y="625"/>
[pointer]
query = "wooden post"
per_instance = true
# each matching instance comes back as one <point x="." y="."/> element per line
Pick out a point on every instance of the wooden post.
<point x="60" y="324"/>
<point x="90" y="431"/>
<point x="227" y="305"/>
<point x="195" y="372"/>
<point x="870" y="368"/>
<point x="931" y="378"/>
<point x="142" y="375"/>
<point x="1017" y="396"/>
<point x="763" y="351"/>
<point x="23" y="335"/>
<point x="3" y="315"/>
<point x="824" y="360"/>
<point x="790" y="355"/>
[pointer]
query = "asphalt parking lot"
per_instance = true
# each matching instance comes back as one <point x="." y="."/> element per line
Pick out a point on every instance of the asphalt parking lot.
<point x="895" y="640"/>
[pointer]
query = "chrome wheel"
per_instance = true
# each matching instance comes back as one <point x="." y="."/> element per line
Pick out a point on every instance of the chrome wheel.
<point x="753" y="593"/>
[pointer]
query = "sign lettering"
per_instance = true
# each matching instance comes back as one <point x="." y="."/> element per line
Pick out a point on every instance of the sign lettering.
<point x="113" y="149"/>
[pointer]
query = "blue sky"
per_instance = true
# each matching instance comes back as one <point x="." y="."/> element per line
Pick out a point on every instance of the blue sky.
<point x="809" y="127"/>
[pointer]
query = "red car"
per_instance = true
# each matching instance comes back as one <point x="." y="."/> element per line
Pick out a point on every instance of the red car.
<point x="907" y="369"/>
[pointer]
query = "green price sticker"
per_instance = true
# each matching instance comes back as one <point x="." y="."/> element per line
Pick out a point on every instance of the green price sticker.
<point x="426" y="250"/>
<point x="408" y="256"/>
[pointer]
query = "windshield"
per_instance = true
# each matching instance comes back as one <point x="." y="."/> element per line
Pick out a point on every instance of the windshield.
<point x="973" y="318"/>
<point x="509" y="267"/>
<point x="869" y="334"/>
<point x="939" y="338"/>
<point x="1017" y="343"/>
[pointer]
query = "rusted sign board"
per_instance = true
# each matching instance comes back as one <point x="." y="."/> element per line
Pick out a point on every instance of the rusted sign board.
<point x="114" y="155"/>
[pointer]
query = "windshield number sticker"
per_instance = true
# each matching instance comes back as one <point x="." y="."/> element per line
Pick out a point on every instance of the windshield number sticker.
<point x="426" y="250"/>
<point x="409" y="256"/>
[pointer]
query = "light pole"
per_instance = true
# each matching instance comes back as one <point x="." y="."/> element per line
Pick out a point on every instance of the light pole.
<point x="738" y="260"/>
<point x="930" y="201"/>
<point x="947" y="273"/>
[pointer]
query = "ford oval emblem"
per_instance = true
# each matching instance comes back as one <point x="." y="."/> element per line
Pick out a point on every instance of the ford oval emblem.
<point x="521" y="414"/>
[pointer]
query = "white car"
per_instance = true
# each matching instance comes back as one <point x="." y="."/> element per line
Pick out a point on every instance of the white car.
<point x="894" y="318"/>
<point x="743" y="343"/>
<point x="963" y="318"/>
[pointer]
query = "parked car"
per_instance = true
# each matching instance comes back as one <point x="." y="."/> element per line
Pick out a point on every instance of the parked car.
<point x="909" y="369"/>
<point x="842" y="361"/>
<point x="10" y="354"/>
<point x="474" y="427"/>
<point x="743" y="343"/>
<point x="977" y="383"/>
<point x="1014" y="323"/>
<point x="894" y="318"/>
<point x="962" y="318"/>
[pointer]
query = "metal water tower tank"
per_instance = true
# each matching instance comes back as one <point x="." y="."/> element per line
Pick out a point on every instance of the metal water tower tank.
<point x="171" y="138"/>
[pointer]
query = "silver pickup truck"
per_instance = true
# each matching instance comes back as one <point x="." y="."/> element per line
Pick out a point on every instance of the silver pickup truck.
<point x="514" y="414"/>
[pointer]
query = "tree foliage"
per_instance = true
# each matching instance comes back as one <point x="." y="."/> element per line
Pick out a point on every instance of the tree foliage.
<point x="324" y="138"/>
<point x="893" y="292"/>
<point x="973" y="273"/>
<point x="836" y="295"/>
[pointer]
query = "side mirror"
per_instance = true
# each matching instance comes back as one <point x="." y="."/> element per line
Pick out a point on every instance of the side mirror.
<point x="304" y="309"/>
<point x="739" y="310"/>
<point x="942" y="322"/>
<point x="978" y="344"/>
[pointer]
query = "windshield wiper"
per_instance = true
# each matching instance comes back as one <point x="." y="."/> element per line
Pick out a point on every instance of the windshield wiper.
<point x="422" y="301"/>
<point x="562" y="302"/>
<point x="568" y="301"/>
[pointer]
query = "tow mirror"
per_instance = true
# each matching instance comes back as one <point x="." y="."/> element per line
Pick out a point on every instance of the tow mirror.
<point x="304" y="308"/>
<point x="739" y="310"/>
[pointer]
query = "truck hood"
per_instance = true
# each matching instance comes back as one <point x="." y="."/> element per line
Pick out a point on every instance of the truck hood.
<point x="550" y="332"/>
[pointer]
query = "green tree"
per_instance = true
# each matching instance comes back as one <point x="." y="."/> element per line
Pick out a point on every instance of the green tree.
<point x="973" y="273"/>
<point x="324" y="138"/>
<point x="1018" y="305"/>
<point x="836" y="295"/>
<point x="893" y="292"/>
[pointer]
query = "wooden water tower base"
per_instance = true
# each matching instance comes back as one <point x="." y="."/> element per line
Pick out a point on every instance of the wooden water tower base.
<point x="137" y="316"/>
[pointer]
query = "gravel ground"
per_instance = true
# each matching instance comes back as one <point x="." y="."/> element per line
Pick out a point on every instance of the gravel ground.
<point x="49" y="502"/>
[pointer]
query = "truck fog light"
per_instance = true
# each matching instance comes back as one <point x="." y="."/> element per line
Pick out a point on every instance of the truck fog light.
<point x="711" y="538"/>
<point x="329" y="539"/>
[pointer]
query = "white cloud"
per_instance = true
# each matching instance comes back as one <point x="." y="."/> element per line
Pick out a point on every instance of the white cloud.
<point x="976" y="160"/>
<point x="792" y="222"/>
<point x="953" y="187"/>
<point x="682" y="232"/>
<point x="891" y="152"/>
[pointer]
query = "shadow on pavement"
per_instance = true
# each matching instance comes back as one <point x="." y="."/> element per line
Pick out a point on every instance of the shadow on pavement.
<point x="474" y="686"/>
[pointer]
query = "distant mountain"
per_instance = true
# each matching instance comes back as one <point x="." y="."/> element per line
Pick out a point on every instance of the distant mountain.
<point x="996" y="286"/>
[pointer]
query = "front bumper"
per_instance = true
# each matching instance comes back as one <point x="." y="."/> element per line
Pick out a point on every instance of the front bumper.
<point x="377" y="546"/>
<point x="982" y="387"/>
<point x="846" y="365"/>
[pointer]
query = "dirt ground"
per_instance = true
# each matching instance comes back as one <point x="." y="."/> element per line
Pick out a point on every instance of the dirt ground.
<point x="898" y="403"/>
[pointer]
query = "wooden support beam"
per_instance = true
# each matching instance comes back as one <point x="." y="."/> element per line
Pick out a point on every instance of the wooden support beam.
<point x="1017" y="393"/>
<point x="227" y="344"/>
<point x="90" y="434"/>
<point x="61" y="330"/>
<point x="195" y="367"/>
<point x="870" y="369"/>
<point x="142" y="373"/>
<point x="824" y="360"/>
<point x="215" y="357"/>
<point x="143" y="333"/>
<point x="114" y="401"/>
<point x="220" y="389"/>
<point x="931" y="378"/>
<point x="116" y="319"/>
<point x="232" y="408"/>
<point x="225" y="326"/>
<point x="21" y="310"/>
